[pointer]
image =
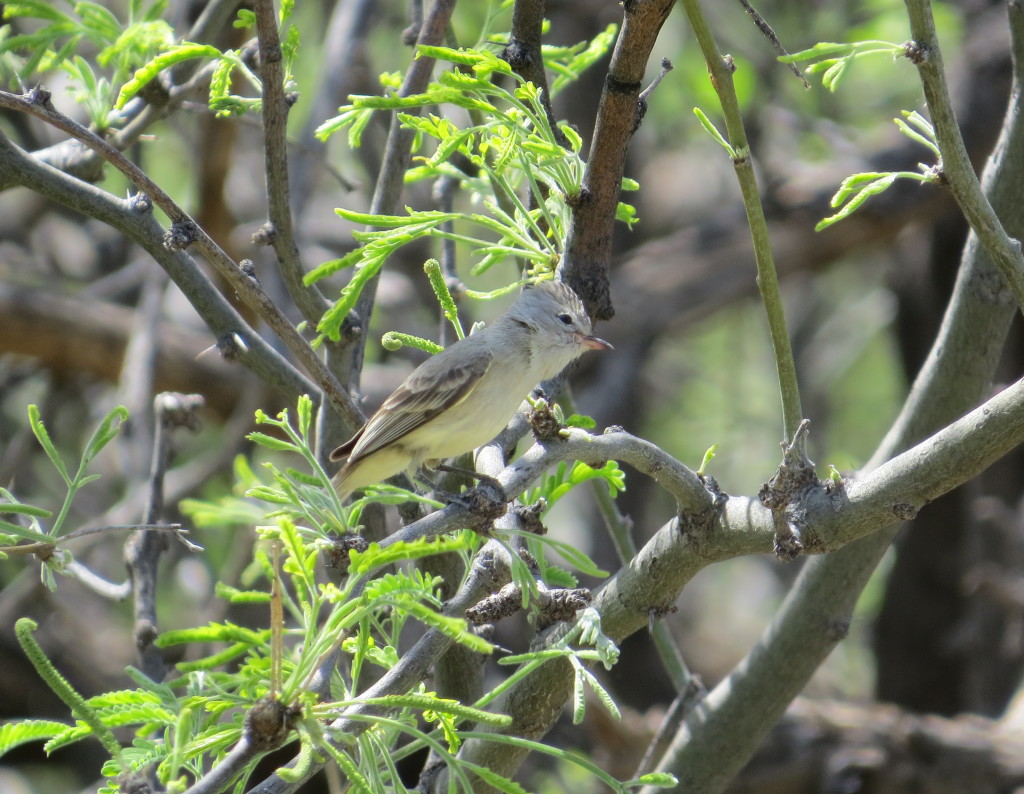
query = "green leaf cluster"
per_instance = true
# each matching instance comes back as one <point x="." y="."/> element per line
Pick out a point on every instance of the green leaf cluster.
<point x="858" y="188"/>
<point x="11" y="532"/>
<point x="54" y="44"/>
<point x="133" y="54"/>
<point x="507" y="148"/>
<point x="833" y="60"/>
<point x="185" y="726"/>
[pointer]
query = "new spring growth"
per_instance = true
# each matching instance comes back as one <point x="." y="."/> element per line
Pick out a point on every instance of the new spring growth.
<point x="433" y="270"/>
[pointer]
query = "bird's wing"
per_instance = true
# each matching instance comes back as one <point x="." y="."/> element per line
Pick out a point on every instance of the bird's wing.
<point x="435" y="386"/>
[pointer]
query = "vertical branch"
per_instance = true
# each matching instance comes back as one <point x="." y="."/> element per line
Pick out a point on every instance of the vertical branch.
<point x="524" y="56"/>
<point x="956" y="165"/>
<point x="588" y="249"/>
<point x="275" y="146"/>
<point x="143" y="548"/>
<point x="138" y="369"/>
<point x="721" y="68"/>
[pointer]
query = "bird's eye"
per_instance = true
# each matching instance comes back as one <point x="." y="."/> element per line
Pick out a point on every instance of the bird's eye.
<point x="565" y="319"/>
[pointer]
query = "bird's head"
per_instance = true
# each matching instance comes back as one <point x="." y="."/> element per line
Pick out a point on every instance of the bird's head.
<point x="560" y="329"/>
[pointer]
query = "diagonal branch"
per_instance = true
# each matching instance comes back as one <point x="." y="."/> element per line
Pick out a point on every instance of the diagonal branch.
<point x="185" y="231"/>
<point x="230" y="329"/>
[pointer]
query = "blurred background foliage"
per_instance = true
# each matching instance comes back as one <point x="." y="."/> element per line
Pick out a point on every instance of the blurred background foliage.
<point x="693" y="365"/>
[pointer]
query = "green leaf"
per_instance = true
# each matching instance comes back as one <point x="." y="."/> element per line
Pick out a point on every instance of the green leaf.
<point x="601" y="692"/>
<point x="271" y="442"/>
<point x="146" y="73"/>
<point x="304" y="409"/>
<point x="656" y="779"/>
<point x="711" y="130"/>
<point x="98" y="21"/>
<point x="495" y="780"/>
<point x="376" y="557"/>
<point x="214" y="632"/>
<point x="236" y="596"/>
<point x="823" y="49"/>
<point x="23" y="533"/>
<point x="107" y="430"/>
<point x="581" y="60"/>
<point x="39" y="430"/>
<point x="215" y="660"/>
<point x="835" y="59"/>
<point x="429" y="702"/>
<point x="245" y="19"/>
<point x="709" y="455"/>
<point x="863" y="194"/>
<point x="926" y="135"/>
<point x="579" y="696"/>
<point x="13" y="734"/>
<point x="573" y="556"/>
<point x="11" y="505"/>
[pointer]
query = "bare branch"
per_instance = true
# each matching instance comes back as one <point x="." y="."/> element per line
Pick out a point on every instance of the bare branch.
<point x="184" y="231"/>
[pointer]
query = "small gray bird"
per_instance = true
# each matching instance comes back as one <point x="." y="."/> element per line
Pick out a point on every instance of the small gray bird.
<point x="464" y="396"/>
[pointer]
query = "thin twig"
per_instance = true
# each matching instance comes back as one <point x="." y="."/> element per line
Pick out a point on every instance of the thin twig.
<point x="143" y="548"/>
<point x="721" y="68"/>
<point x="773" y="39"/>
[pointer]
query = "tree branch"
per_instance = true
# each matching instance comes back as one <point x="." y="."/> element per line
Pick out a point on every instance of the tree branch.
<point x="956" y="165"/>
<point x="813" y="618"/>
<point x="588" y="249"/>
<point x="721" y="69"/>
<point x="739" y="711"/>
<point x="140" y="226"/>
<point x="275" y="149"/>
<point x="185" y="231"/>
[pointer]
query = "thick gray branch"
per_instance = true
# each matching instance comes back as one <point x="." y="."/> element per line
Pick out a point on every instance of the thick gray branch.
<point x="217" y="313"/>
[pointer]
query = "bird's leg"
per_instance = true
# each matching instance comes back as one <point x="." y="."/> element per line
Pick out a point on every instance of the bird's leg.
<point x="483" y="479"/>
<point x="488" y="500"/>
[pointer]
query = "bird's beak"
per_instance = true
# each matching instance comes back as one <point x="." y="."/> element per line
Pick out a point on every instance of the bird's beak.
<point x="593" y="343"/>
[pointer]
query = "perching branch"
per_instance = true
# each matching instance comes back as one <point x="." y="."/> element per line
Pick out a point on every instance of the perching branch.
<point x="688" y="543"/>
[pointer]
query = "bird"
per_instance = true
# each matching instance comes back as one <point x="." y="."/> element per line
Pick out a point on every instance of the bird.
<point x="462" y="397"/>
